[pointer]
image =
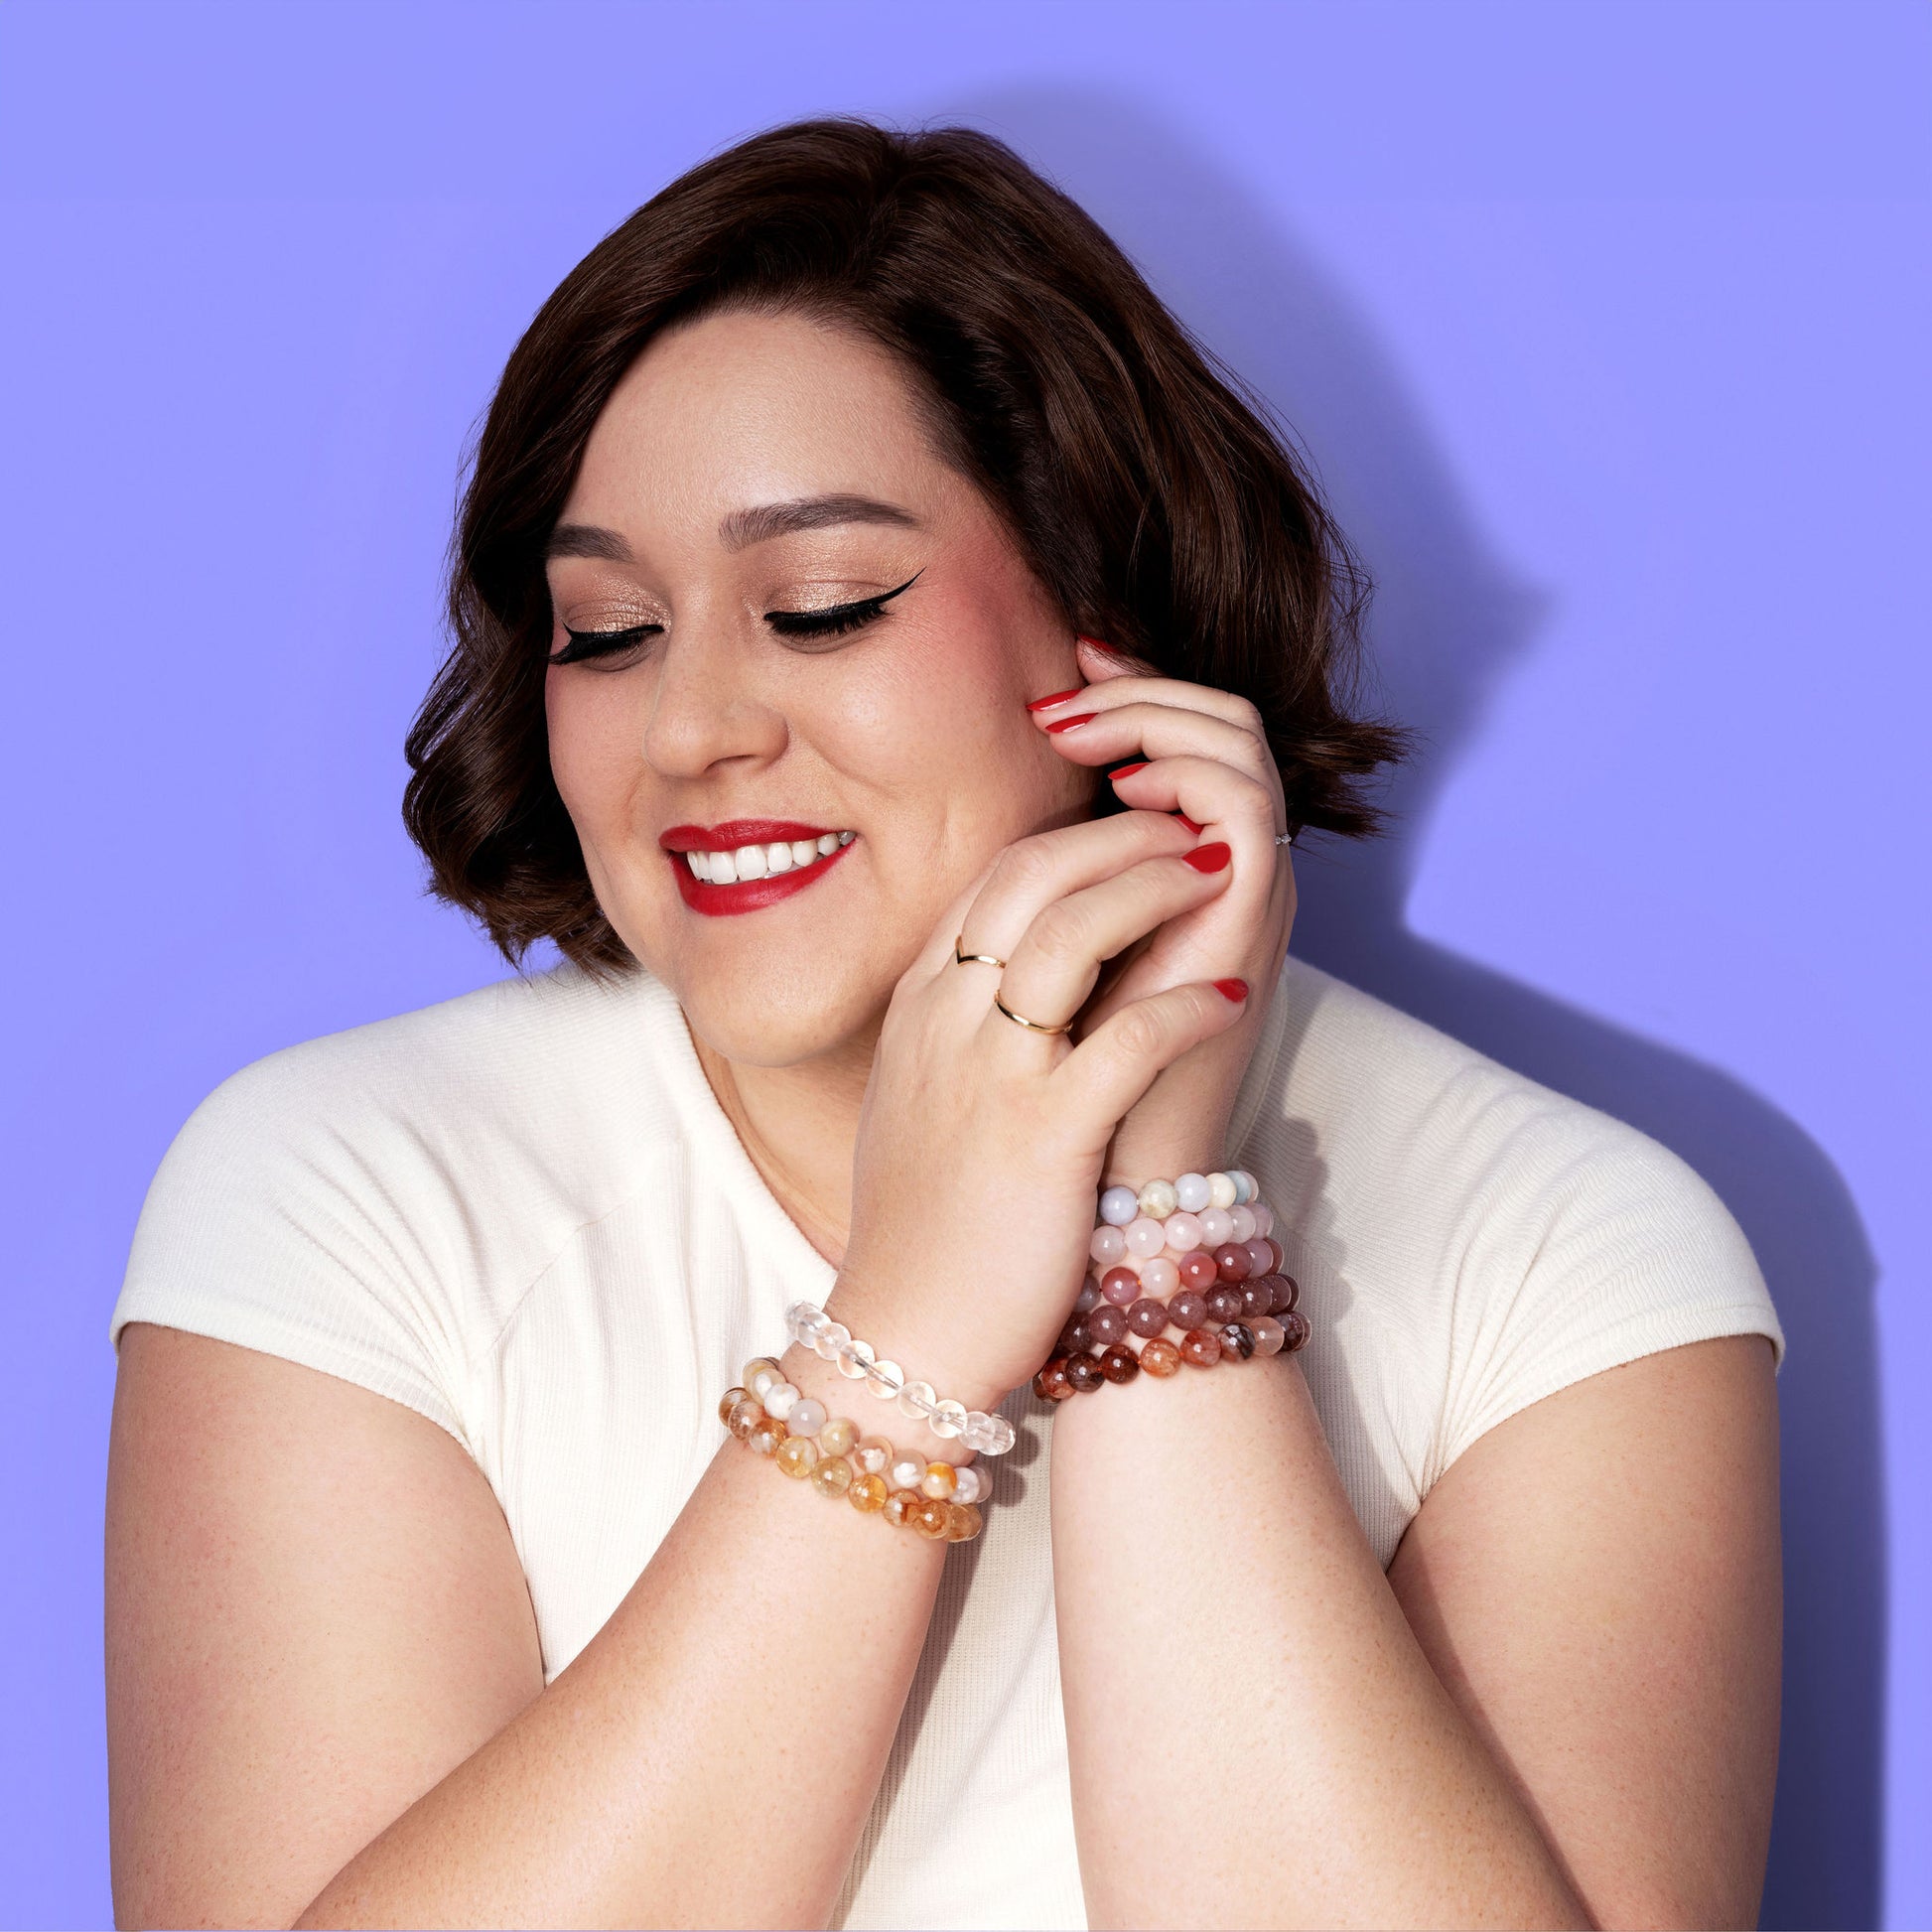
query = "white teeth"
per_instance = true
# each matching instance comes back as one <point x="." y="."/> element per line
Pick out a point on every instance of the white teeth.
<point x="700" y="864"/>
<point x="844" y="838"/>
<point x="828" y="845"/>
<point x="763" y="861"/>
<point x="751" y="861"/>
<point x="803" y="852"/>
<point x="778" y="858"/>
<point x="724" y="869"/>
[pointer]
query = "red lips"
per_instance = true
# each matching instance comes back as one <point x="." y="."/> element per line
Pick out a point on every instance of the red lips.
<point x="748" y="894"/>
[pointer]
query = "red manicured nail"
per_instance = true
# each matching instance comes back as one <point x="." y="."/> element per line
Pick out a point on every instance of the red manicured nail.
<point x="1207" y="857"/>
<point x="1121" y="770"/>
<point x="1235" y="990"/>
<point x="1058" y="697"/>
<point x="1067" y="724"/>
<point x="1189" y="822"/>
<point x="1080" y="638"/>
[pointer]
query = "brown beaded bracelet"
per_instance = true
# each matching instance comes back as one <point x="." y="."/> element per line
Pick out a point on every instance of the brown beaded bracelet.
<point x="1221" y="1325"/>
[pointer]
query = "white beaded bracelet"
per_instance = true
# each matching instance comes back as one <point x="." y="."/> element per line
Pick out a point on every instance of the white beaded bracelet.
<point x="833" y="1341"/>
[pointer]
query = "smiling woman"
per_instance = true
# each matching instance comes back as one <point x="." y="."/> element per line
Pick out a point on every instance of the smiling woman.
<point x="448" y="1583"/>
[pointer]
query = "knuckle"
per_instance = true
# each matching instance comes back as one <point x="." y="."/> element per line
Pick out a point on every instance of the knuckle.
<point x="1025" y="866"/>
<point x="1143" y="1032"/>
<point x="1060" y="933"/>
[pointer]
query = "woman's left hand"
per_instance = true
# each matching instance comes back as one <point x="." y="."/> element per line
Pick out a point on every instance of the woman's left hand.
<point x="1207" y="757"/>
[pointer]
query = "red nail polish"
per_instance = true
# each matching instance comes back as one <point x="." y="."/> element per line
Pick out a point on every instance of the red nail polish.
<point x="1235" y="990"/>
<point x="1189" y="822"/>
<point x="1121" y="770"/>
<point x="1067" y="724"/>
<point x="1080" y="638"/>
<point x="1058" y="697"/>
<point x="1207" y="857"/>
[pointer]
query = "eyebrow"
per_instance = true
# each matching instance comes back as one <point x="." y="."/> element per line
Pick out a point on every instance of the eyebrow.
<point x="741" y="528"/>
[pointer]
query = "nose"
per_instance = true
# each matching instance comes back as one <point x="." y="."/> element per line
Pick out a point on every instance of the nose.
<point x="706" y="711"/>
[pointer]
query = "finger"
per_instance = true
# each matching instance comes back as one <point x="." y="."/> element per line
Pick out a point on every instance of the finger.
<point x="1114" y="680"/>
<point x="1033" y="872"/>
<point x="1210" y="793"/>
<point x="1108" y="734"/>
<point x="1110" y="1070"/>
<point x="1057" y="960"/>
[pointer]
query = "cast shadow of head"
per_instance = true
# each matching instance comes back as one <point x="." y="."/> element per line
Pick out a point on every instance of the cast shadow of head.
<point x="1447" y="623"/>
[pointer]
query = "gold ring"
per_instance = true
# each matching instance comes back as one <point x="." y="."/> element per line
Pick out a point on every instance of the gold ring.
<point x="1031" y="1025"/>
<point x="965" y="958"/>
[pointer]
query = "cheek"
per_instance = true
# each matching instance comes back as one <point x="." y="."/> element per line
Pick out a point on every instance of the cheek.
<point x="593" y="756"/>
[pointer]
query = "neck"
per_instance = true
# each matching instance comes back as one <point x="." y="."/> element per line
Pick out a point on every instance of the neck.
<point x="799" y="1125"/>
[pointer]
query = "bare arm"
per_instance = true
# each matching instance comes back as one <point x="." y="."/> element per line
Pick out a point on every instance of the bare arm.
<point x="1559" y="1709"/>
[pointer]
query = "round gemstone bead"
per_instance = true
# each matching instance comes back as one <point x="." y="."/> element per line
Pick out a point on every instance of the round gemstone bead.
<point x="966" y="1522"/>
<point x="1083" y="1374"/>
<point x="1246" y="1187"/>
<point x="1183" y="1233"/>
<point x="1257" y="1297"/>
<point x="1120" y="1285"/>
<point x="1107" y="1245"/>
<point x="831" y="1477"/>
<point x="968" y="1484"/>
<point x="1242" y="1224"/>
<point x="1106" y="1324"/>
<point x="899" y="1505"/>
<point x="1145" y="1239"/>
<point x="807" y="1417"/>
<point x="988" y="1434"/>
<point x="1198" y="1270"/>
<point x="907" y="1472"/>
<point x="931" y="1516"/>
<point x="1188" y="1309"/>
<point x="1216" y="1227"/>
<point x="1050" y="1383"/>
<point x="797" y="1455"/>
<point x="855" y="1357"/>
<point x="728" y="1401"/>
<point x="746" y="1413"/>
<point x="1269" y="1334"/>
<point x="1261" y="1256"/>
<point x="1074" y="1338"/>
<point x="830" y="1339"/>
<point x="1161" y="1359"/>
<point x="768" y="1438"/>
<point x="1288" y="1295"/>
<point x="839" y="1437"/>
<point x="1264" y="1218"/>
<point x="1119" y="1205"/>
<point x="1159" y="1277"/>
<point x="1277" y="1252"/>
<point x="868" y="1493"/>
<point x="1231" y="1259"/>
<point x="918" y="1399"/>
<point x="1159" y="1199"/>
<point x="1191" y="1190"/>
<point x="759" y="1374"/>
<point x="780" y="1398"/>
<point x="1148" y="1317"/>
<point x="1200" y="1348"/>
<point x="1220" y="1191"/>
<point x="948" y="1418"/>
<point x="1237" y="1341"/>
<point x="1223" y="1304"/>
<point x="874" y="1455"/>
<point x="1088" y="1297"/>
<point x="1295" y="1329"/>
<point x="1119" y="1364"/>
<point x="940" y="1479"/>
<point x="884" y="1379"/>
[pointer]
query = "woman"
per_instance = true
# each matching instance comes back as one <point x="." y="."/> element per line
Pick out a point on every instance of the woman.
<point x="900" y="919"/>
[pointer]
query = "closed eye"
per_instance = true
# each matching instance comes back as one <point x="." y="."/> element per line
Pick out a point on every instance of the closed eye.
<point x="585" y="645"/>
<point x="835" y="619"/>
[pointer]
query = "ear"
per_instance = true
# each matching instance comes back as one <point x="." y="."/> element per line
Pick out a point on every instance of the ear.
<point x="1099" y="662"/>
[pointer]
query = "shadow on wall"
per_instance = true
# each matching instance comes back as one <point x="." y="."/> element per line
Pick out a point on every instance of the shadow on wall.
<point x="1447" y="623"/>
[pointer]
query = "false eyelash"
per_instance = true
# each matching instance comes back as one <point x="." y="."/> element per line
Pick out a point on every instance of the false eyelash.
<point x="586" y="644"/>
<point x="836" y="619"/>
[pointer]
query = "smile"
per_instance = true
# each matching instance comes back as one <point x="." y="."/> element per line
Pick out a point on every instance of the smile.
<point x="747" y="864"/>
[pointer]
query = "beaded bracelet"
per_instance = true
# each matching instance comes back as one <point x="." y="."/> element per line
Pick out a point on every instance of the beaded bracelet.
<point x="942" y="1505"/>
<point x="833" y="1343"/>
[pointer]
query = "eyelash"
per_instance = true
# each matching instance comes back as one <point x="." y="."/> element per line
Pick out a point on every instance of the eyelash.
<point x="836" y="621"/>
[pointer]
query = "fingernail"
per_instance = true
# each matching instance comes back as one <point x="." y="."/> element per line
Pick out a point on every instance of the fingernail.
<point x="1058" y="697"/>
<point x="1067" y="724"/>
<point x="1235" y="990"/>
<point x="1079" y="637"/>
<point x="1121" y="770"/>
<point x="1207" y="857"/>
<point x="1189" y="822"/>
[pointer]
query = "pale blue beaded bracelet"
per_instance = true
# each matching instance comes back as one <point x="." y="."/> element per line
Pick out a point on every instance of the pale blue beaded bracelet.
<point x="833" y="1341"/>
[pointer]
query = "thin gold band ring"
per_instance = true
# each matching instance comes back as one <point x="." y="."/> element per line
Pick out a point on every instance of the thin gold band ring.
<point x="964" y="958"/>
<point x="1031" y="1025"/>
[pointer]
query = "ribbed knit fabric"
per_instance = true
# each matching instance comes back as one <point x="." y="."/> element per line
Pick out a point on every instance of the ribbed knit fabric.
<point x="523" y="1214"/>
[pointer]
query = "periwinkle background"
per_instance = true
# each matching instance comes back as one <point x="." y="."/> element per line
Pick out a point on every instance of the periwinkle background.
<point x="1606" y="328"/>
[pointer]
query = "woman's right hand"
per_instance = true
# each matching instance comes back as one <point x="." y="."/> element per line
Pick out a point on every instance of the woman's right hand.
<point x="981" y="1142"/>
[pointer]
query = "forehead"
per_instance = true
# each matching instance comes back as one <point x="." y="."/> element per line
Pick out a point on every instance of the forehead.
<point x="739" y="409"/>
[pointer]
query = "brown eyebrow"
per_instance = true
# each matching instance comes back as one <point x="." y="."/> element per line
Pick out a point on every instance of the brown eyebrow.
<point x="743" y="528"/>
<point x="587" y="540"/>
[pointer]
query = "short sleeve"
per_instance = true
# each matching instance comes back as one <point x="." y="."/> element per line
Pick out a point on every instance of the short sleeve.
<point x="292" y="1217"/>
<point x="1618" y="1250"/>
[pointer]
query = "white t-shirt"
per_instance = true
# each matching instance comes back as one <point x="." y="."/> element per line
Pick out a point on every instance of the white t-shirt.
<point x="523" y="1214"/>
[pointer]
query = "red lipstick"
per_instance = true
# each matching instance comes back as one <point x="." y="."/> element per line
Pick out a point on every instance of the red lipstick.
<point x="746" y="894"/>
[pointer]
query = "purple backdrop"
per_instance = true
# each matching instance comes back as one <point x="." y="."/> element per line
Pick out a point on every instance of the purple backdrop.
<point x="1605" y="327"/>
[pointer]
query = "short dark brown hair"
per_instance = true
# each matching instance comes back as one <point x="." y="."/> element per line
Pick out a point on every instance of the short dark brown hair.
<point x="1154" y="500"/>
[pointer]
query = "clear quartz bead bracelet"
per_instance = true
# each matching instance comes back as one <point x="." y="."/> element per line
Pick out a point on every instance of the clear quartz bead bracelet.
<point x="809" y="1326"/>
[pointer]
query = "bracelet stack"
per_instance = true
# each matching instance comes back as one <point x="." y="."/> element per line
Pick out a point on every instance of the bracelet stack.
<point x="1196" y="1254"/>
